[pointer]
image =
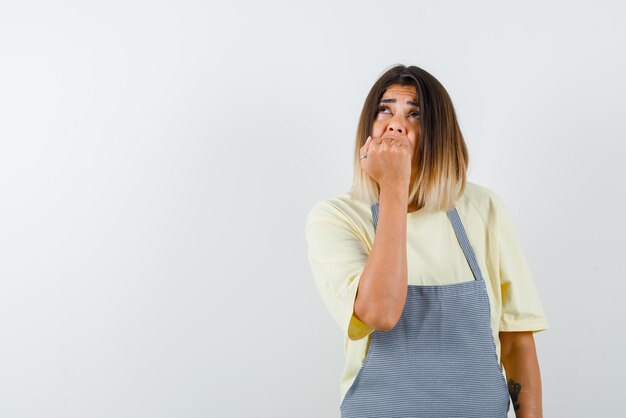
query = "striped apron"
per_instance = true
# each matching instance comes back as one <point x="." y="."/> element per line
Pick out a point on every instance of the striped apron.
<point x="439" y="360"/>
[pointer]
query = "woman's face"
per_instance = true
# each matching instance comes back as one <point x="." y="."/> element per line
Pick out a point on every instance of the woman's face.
<point x="398" y="115"/>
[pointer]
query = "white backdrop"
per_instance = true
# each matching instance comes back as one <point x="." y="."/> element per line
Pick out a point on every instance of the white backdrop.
<point x="158" y="160"/>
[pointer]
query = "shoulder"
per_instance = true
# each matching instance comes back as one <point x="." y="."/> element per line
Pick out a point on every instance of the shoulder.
<point x="341" y="208"/>
<point x="340" y="218"/>
<point x="481" y="201"/>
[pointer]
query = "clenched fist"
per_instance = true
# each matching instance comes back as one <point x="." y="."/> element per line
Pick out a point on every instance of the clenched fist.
<point x="388" y="160"/>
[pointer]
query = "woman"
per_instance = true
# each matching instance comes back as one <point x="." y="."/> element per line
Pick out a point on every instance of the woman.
<point x="442" y="297"/>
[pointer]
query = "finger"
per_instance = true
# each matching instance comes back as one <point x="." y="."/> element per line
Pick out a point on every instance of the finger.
<point x="366" y="146"/>
<point x="388" y="141"/>
<point x="397" y="141"/>
<point x="363" y="148"/>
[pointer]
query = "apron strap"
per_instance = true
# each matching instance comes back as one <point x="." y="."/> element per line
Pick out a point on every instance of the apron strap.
<point x="461" y="237"/>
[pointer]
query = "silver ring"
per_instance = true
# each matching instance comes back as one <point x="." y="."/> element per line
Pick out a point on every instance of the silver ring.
<point x="362" y="156"/>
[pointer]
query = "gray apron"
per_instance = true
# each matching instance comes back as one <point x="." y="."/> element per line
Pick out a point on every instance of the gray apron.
<point x="439" y="360"/>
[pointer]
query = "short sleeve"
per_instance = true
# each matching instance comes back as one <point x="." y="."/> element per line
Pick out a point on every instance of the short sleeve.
<point x="521" y="306"/>
<point x="337" y="254"/>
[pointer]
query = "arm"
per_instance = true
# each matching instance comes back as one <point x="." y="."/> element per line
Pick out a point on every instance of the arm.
<point x="519" y="358"/>
<point x="383" y="286"/>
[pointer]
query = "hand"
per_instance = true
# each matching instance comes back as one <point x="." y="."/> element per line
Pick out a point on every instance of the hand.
<point x="388" y="160"/>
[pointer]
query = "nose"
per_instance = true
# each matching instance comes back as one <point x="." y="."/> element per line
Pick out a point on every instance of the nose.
<point x="396" y="126"/>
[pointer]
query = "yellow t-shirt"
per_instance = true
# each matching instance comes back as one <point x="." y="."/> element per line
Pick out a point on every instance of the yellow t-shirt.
<point x="340" y="233"/>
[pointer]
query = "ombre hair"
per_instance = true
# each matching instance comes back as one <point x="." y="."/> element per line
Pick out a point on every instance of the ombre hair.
<point x="440" y="156"/>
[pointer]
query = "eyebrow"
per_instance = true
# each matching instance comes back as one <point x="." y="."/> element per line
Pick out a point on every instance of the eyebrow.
<point x="394" y="100"/>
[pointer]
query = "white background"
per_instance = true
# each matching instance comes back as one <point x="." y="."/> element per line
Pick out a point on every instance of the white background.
<point x="158" y="160"/>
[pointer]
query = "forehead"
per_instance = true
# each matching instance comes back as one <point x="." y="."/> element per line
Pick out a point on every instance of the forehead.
<point x="396" y="90"/>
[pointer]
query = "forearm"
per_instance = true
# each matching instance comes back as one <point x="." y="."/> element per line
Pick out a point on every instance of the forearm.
<point x="524" y="379"/>
<point x="383" y="286"/>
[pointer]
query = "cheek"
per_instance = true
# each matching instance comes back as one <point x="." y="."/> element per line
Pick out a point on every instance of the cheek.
<point x="378" y="129"/>
<point x="414" y="144"/>
<point x="415" y="135"/>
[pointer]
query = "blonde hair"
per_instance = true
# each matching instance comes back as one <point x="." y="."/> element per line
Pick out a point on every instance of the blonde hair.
<point x="441" y="155"/>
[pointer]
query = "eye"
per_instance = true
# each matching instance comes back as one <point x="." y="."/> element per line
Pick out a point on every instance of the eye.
<point x="416" y="114"/>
